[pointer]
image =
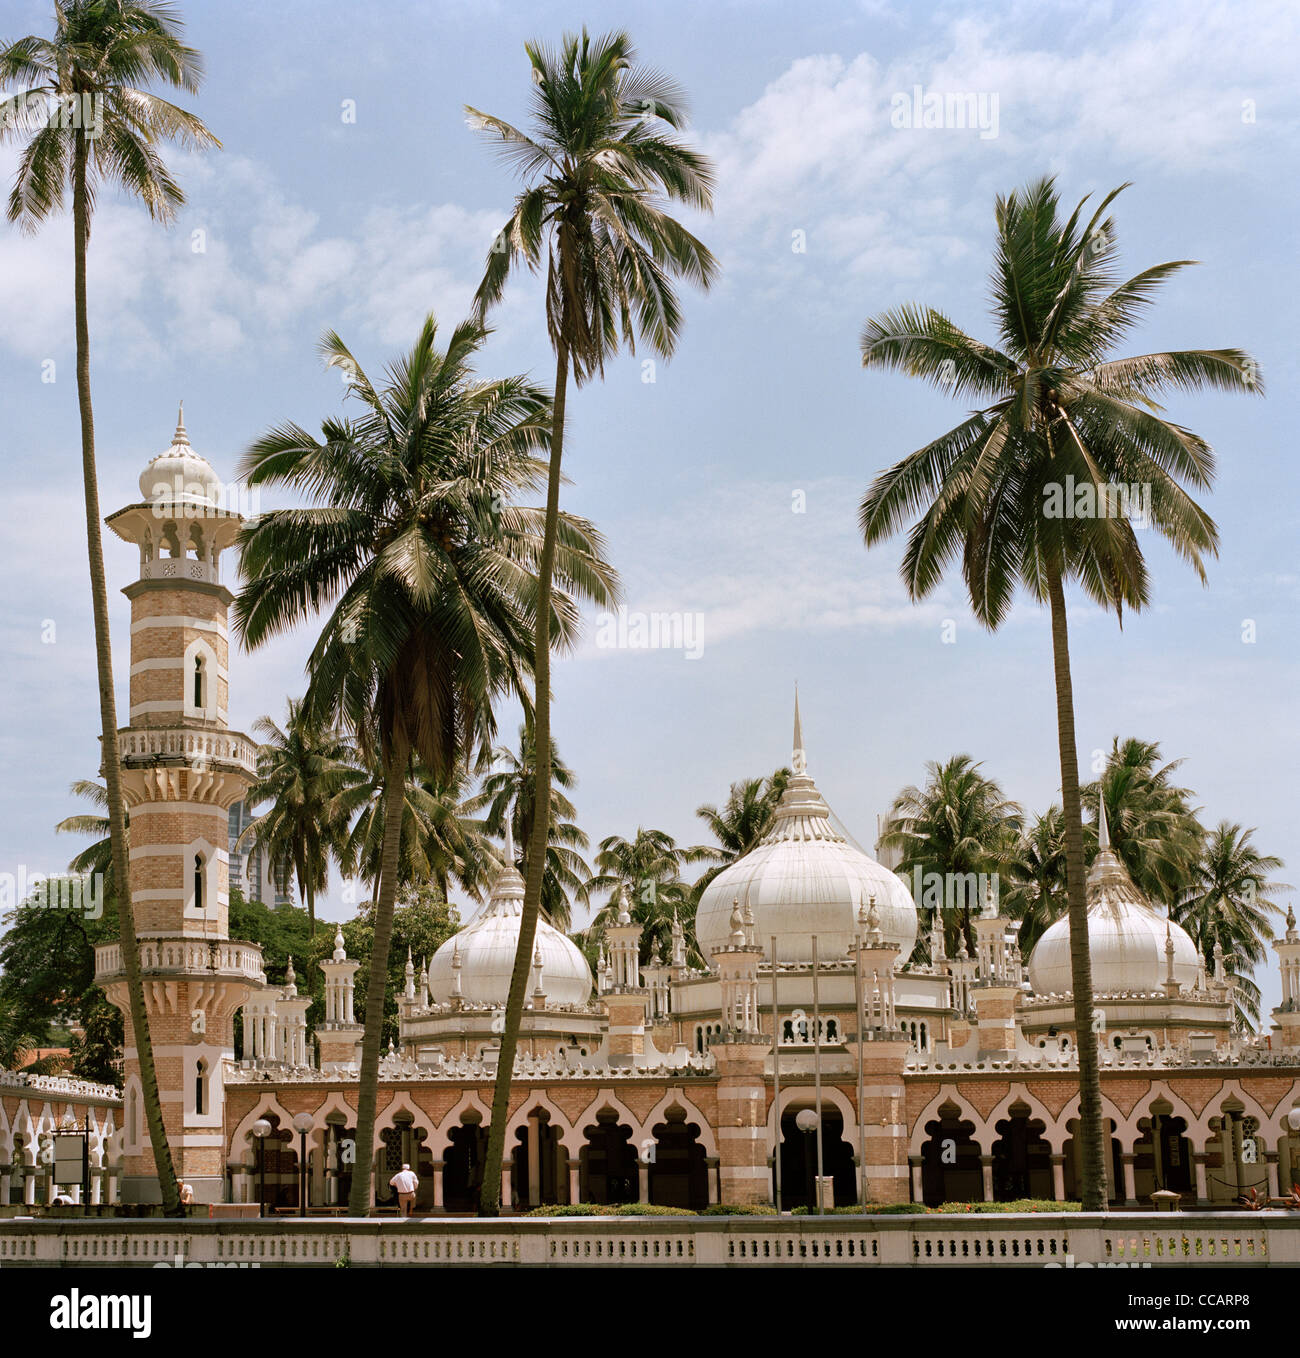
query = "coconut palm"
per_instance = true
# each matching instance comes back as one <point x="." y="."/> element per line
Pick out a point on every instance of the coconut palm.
<point x="429" y="567"/>
<point x="301" y="771"/>
<point x="440" y="839"/>
<point x="1153" y="827"/>
<point x="956" y="829"/>
<point x="506" y="793"/>
<point x="1060" y="418"/>
<point x="1035" y="894"/>
<point x="741" y="822"/>
<point x="81" y="100"/>
<point x="646" y="871"/>
<point x="1229" y="903"/>
<point x="598" y="166"/>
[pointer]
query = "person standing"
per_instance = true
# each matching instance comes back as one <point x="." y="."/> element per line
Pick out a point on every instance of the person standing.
<point x="406" y="1182"/>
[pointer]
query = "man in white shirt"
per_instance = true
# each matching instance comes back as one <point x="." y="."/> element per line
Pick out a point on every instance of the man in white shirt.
<point x="406" y="1183"/>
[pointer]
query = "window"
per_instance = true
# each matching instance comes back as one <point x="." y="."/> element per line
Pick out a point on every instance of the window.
<point x="201" y="1087"/>
<point x="198" y="681"/>
<point x="198" y="881"/>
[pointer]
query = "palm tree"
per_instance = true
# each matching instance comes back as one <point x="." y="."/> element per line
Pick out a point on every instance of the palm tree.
<point x="1060" y="417"/>
<point x="1036" y="872"/>
<point x="1153" y="827"/>
<point x="1229" y="904"/>
<point x="600" y="163"/>
<point x="507" y="793"/>
<point x="646" y="869"/>
<point x="301" y="771"/>
<point x="415" y="540"/>
<point x="958" y="828"/>
<point x="742" y="821"/>
<point x="439" y="840"/>
<point x="92" y="74"/>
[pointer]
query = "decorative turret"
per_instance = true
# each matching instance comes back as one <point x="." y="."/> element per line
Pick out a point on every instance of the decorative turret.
<point x="1286" y="1017"/>
<point x="737" y="966"/>
<point x="340" y="1034"/>
<point x="875" y="958"/>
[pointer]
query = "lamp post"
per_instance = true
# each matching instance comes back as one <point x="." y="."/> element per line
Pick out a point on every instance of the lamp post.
<point x="261" y="1129"/>
<point x="807" y="1121"/>
<point x="302" y="1124"/>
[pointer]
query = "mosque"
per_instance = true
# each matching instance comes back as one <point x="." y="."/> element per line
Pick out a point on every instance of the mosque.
<point x="809" y="1060"/>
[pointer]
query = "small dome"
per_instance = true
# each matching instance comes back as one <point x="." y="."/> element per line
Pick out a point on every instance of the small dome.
<point x="483" y="953"/>
<point x="804" y="878"/>
<point x="180" y="474"/>
<point x="1127" y="939"/>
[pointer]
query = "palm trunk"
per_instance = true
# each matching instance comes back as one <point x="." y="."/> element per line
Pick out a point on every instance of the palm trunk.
<point x="309" y="898"/>
<point x="112" y="768"/>
<point x="377" y="987"/>
<point x="535" y="853"/>
<point x="1090" y="1138"/>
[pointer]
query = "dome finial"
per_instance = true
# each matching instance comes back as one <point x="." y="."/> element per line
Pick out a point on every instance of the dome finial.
<point x="180" y="436"/>
<point x="1103" y="830"/>
<point x="799" y="760"/>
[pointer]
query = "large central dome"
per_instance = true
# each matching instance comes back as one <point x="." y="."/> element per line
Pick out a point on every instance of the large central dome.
<point x="804" y="878"/>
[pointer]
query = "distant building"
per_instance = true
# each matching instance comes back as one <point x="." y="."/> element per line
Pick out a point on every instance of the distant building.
<point x="250" y="869"/>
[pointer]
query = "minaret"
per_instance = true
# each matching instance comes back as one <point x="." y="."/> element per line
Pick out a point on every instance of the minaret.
<point x="626" y="999"/>
<point x="291" y="1012"/>
<point x="182" y="769"/>
<point x="1286" y="1017"/>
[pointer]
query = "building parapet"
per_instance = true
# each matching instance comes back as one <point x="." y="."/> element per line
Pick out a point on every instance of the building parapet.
<point x="225" y="957"/>
<point x="60" y="1084"/>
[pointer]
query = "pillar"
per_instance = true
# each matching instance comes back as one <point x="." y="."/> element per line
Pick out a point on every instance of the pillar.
<point x="1198" y="1159"/>
<point x="643" y="1178"/>
<point x="507" y="1199"/>
<point x="29" y="1185"/>
<point x="886" y="1175"/>
<point x="986" y="1169"/>
<point x="533" y="1152"/>
<point x="742" y="1118"/>
<point x="438" y="1166"/>
<point x="1130" y="1185"/>
<point x="4" y="1188"/>
<point x="1270" y="1164"/>
<point x="1058" y="1176"/>
<point x="575" y="1188"/>
<point x="711" y="1165"/>
<point x="914" y="1163"/>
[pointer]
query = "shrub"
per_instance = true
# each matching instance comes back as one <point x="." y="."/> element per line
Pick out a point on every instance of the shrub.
<point x="868" y="1209"/>
<point x="599" y="1209"/>
<point x="1017" y="1205"/>
<point x="739" y="1209"/>
<point x="650" y="1209"/>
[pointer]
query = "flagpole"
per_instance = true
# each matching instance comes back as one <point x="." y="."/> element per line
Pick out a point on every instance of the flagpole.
<point x="817" y="1073"/>
<point x="776" y="1081"/>
<point x="862" y="1121"/>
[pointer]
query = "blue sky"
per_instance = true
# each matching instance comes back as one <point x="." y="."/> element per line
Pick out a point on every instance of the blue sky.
<point x="309" y="222"/>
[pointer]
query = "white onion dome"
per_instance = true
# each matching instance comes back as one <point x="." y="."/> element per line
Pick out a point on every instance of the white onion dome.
<point x="1128" y="941"/>
<point x="804" y="878"/>
<point x="483" y="952"/>
<point x="180" y="474"/>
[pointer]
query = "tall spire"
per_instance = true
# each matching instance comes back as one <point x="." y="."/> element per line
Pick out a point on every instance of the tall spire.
<point x="180" y="436"/>
<point x="1103" y="830"/>
<point x="799" y="762"/>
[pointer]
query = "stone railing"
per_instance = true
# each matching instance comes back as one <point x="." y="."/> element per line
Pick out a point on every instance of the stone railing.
<point x="1037" y="1240"/>
<point x="187" y="744"/>
<point x="223" y="958"/>
<point x="59" y="1084"/>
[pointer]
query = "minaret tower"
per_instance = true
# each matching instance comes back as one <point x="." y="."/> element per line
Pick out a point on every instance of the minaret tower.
<point x="182" y="769"/>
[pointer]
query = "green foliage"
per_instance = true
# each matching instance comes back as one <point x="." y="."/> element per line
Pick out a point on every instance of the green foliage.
<point x="1016" y="1205"/>
<point x="619" y="1209"/>
<point x="868" y="1209"/>
<point x="739" y="1209"/>
<point x="48" y="958"/>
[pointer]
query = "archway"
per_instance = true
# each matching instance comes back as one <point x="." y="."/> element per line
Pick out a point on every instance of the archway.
<point x="402" y="1143"/>
<point x="798" y="1150"/>
<point x="340" y="1146"/>
<point x="608" y="1161"/>
<point x="539" y="1161"/>
<point x="462" y="1174"/>
<point x="1022" y="1157"/>
<point x="1162" y="1153"/>
<point x="950" y="1159"/>
<point x="679" y="1175"/>
<point x="1073" y="1156"/>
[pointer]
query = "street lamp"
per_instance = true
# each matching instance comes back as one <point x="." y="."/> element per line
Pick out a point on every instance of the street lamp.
<point x="261" y="1129"/>
<point x="807" y="1121"/>
<point x="1293" y="1119"/>
<point x="302" y="1124"/>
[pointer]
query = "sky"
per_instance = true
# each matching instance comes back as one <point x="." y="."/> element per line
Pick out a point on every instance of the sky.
<point x="350" y="194"/>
